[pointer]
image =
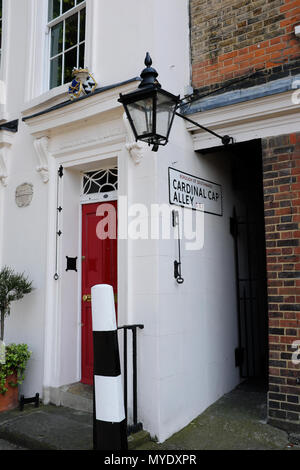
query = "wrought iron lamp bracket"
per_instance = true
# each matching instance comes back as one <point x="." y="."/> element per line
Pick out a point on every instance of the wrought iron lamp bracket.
<point x="226" y="139"/>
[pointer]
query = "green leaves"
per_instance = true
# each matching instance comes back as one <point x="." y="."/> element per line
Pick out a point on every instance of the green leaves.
<point x="16" y="359"/>
<point x="13" y="286"/>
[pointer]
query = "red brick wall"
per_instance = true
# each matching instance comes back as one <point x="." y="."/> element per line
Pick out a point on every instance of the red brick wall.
<point x="233" y="38"/>
<point x="281" y="176"/>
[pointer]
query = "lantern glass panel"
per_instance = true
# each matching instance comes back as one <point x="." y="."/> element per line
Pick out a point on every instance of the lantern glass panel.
<point x="141" y="113"/>
<point x="164" y="114"/>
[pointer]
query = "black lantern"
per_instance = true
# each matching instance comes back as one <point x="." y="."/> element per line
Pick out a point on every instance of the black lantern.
<point x="150" y="109"/>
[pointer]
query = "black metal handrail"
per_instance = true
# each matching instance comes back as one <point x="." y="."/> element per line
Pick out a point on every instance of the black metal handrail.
<point x="136" y="426"/>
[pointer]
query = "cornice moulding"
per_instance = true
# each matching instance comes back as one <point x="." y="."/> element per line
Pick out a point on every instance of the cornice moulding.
<point x="89" y="147"/>
<point x="253" y="119"/>
<point x="76" y="111"/>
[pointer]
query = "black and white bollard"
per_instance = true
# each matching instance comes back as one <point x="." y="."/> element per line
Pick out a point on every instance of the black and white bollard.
<point x="110" y="427"/>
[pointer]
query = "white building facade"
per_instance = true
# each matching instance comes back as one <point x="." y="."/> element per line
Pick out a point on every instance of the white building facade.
<point x="186" y="351"/>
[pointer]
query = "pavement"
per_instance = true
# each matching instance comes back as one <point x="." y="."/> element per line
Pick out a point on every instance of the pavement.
<point x="235" y="422"/>
<point x="5" y="445"/>
<point x="238" y="421"/>
<point x="48" y="428"/>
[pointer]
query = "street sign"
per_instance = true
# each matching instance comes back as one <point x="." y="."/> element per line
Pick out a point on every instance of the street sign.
<point x="190" y="191"/>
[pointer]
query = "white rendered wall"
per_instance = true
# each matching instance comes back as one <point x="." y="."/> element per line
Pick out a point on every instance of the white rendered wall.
<point x="186" y="351"/>
<point x="187" y="348"/>
<point x="160" y="27"/>
<point x="24" y="230"/>
<point x="24" y="249"/>
<point x="197" y="354"/>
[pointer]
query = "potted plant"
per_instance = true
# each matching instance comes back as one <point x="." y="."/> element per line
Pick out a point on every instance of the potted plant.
<point x="13" y="286"/>
<point x="12" y="374"/>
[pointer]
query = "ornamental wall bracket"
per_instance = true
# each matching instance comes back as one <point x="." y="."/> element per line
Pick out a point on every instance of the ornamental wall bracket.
<point x="136" y="149"/>
<point x="41" y="149"/>
<point x="3" y="168"/>
<point x="6" y="139"/>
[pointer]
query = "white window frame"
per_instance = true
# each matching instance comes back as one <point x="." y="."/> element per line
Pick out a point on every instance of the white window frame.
<point x="54" y="22"/>
<point x="100" y="196"/>
<point x="6" y="15"/>
<point x="37" y="77"/>
<point x="1" y="38"/>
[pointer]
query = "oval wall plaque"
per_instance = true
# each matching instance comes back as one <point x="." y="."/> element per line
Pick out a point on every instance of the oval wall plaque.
<point x="24" y="195"/>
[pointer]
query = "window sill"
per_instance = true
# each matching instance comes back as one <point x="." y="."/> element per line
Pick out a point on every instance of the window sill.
<point x="4" y="116"/>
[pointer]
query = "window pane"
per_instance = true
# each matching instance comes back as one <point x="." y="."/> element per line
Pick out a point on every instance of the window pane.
<point x="81" y="55"/>
<point x="164" y="114"/>
<point x="70" y="63"/>
<point x="0" y="8"/>
<point x="82" y="26"/>
<point x="67" y="5"/>
<point x="102" y="181"/>
<point x="0" y="34"/>
<point x="56" y="39"/>
<point x="142" y="116"/>
<point x="53" y="9"/>
<point x="71" y="27"/>
<point x="55" y="71"/>
<point x="79" y="1"/>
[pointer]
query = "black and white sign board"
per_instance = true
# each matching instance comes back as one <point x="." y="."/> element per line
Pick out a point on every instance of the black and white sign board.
<point x="190" y="191"/>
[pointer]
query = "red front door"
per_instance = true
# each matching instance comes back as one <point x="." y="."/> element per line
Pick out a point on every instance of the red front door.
<point x="99" y="266"/>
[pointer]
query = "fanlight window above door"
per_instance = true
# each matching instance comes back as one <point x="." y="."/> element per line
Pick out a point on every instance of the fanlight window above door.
<point x="101" y="181"/>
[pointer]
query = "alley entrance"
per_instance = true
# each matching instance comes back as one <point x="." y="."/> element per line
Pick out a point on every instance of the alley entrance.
<point x="248" y="231"/>
<point x="238" y="168"/>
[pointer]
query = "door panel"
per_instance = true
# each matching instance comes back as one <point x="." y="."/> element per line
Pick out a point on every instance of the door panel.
<point x="99" y="266"/>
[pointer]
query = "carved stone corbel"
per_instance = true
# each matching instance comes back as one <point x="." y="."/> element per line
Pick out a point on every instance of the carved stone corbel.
<point x="41" y="149"/>
<point x="136" y="149"/>
<point x="6" y="138"/>
<point x="3" y="168"/>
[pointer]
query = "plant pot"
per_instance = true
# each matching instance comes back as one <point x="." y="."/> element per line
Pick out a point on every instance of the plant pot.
<point x="9" y="400"/>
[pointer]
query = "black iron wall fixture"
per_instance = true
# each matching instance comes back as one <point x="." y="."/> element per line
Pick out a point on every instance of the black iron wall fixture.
<point x="151" y="110"/>
<point x="177" y="264"/>
<point x="58" y="212"/>
<point x="71" y="264"/>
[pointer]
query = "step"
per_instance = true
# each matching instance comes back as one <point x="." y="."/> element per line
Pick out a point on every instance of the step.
<point x="77" y="396"/>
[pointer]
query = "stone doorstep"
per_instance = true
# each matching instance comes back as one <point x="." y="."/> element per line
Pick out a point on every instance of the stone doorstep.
<point x="77" y="396"/>
<point x="21" y="441"/>
<point x="6" y="445"/>
<point x="54" y="428"/>
<point x="48" y="428"/>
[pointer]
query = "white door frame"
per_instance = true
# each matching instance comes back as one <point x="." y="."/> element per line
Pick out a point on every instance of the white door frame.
<point x="85" y="200"/>
<point x="53" y="377"/>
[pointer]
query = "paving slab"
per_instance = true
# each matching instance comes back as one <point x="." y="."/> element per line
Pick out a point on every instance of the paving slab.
<point x="238" y="421"/>
<point x="5" y="445"/>
<point x="49" y="427"/>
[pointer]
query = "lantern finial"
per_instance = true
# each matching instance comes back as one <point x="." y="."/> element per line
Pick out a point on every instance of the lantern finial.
<point x="149" y="74"/>
<point x="148" y="60"/>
